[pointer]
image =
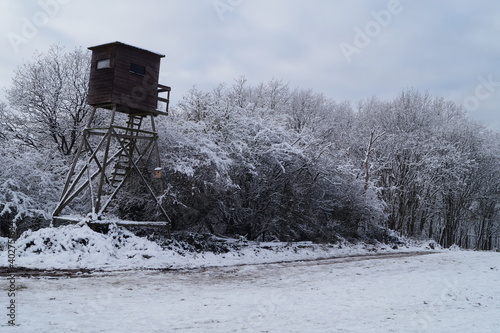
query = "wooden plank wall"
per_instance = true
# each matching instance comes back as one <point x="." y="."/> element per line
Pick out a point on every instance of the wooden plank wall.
<point x="131" y="89"/>
<point x="131" y="92"/>
<point x="101" y="81"/>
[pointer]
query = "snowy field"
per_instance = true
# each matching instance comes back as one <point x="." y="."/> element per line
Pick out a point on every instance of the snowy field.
<point x="445" y="291"/>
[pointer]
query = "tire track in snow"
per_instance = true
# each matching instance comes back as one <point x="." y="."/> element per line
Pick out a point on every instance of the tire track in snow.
<point x="85" y="273"/>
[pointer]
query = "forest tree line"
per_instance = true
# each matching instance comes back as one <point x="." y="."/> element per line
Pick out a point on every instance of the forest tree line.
<point x="268" y="161"/>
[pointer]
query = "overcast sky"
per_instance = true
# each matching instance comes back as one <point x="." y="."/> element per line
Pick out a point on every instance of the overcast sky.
<point x="347" y="50"/>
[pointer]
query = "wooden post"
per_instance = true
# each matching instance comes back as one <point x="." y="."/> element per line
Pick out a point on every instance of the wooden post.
<point x="105" y="163"/>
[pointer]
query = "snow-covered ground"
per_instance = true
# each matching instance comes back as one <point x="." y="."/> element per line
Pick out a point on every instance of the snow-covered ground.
<point x="78" y="247"/>
<point x="446" y="291"/>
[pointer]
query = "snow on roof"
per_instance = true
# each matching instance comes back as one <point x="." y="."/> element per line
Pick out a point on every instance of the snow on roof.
<point x="126" y="45"/>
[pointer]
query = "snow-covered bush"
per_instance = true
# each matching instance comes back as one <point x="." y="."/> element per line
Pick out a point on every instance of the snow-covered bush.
<point x="240" y="164"/>
<point x="30" y="182"/>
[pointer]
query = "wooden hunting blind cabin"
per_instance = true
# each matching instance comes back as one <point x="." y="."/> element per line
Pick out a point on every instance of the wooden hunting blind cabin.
<point x="123" y="79"/>
<point x="126" y="77"/>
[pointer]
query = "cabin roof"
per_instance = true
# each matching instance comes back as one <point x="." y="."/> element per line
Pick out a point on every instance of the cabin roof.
<point x="126" y="45"/>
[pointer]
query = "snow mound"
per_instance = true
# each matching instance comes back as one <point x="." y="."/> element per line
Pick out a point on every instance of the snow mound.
<point x="79" y="247"/>
<point x="82" y="239"/>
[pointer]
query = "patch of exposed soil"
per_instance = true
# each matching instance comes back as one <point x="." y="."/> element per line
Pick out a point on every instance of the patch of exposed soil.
<point x="79" y="273"/>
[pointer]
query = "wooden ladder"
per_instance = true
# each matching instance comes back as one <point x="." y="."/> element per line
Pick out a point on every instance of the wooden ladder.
<point x="123" y="163"/>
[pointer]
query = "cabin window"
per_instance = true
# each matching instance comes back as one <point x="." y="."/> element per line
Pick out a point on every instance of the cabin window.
<point x="137" y="69"/>
<point x="104" y="63"/>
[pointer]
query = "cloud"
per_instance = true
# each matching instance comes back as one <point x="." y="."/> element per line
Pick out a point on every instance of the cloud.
<point x="440" y="47"/>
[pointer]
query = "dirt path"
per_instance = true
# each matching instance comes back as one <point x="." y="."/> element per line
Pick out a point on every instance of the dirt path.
<point x="451" y="291"/>
<point x="82" y="273"/>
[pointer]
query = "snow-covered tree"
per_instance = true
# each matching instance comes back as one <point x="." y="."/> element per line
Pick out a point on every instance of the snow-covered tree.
<point x="241" y="166"/>
<point x="47" y="100"/>
<point x="30" y="182"/>
<point x="270" y="162"/>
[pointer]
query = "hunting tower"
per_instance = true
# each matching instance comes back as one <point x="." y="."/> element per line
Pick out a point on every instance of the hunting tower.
<point x="124" y="80"/>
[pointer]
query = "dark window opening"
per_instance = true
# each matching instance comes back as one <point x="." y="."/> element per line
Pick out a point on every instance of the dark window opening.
<point x="104" y="63"/>
<point x="138" y="69"/>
